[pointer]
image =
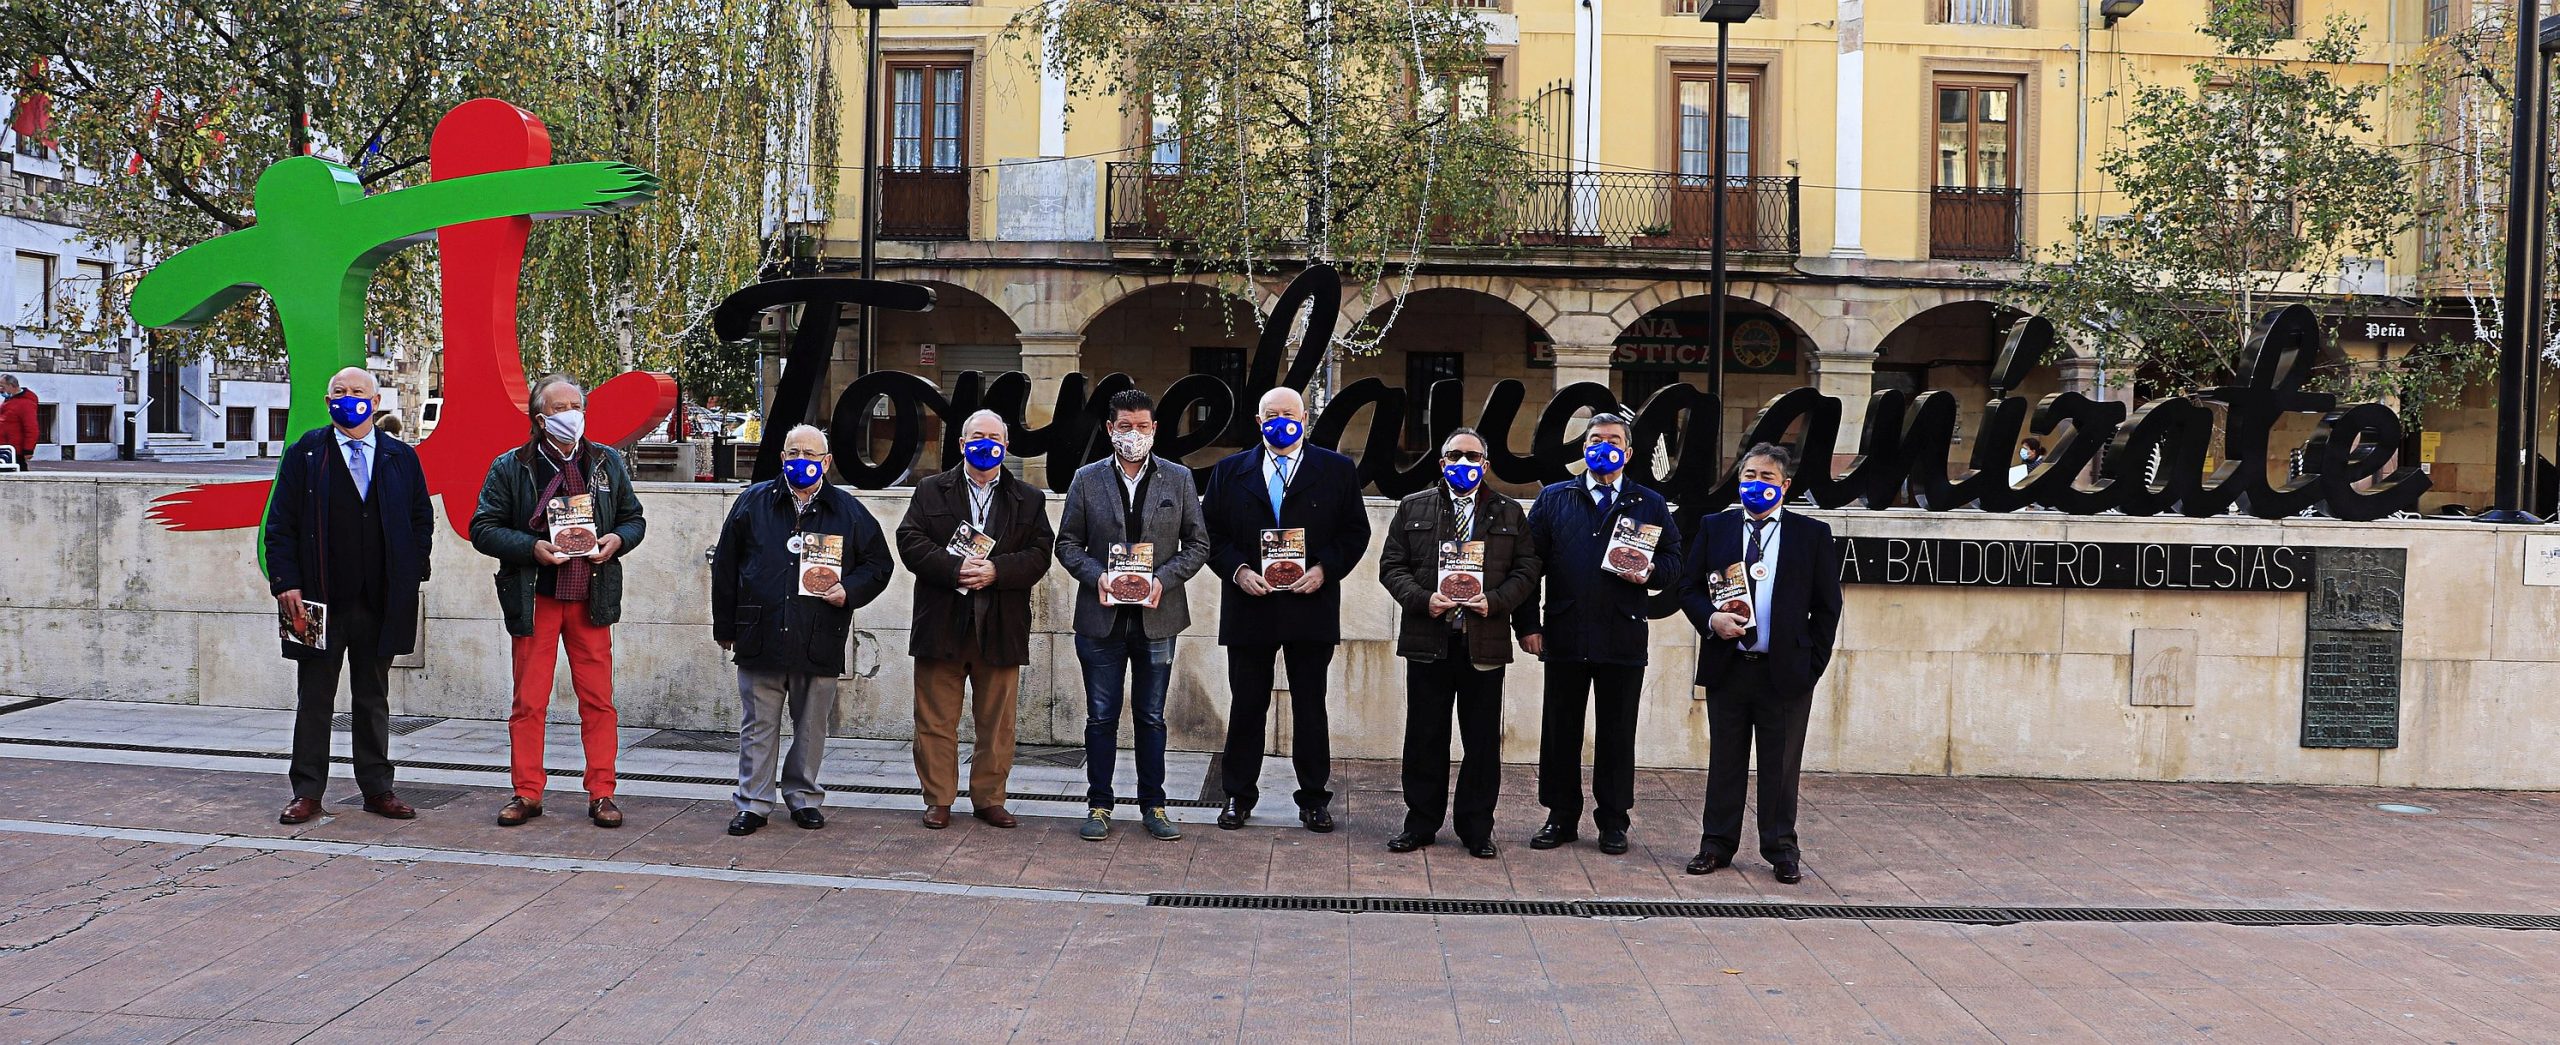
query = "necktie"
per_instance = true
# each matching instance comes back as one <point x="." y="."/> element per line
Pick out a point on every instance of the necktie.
<point x="1466" y="510"/>
<point x="1279" y="485"/>
<point x="363" y="474"/>
<point x="1751" y="555"/>
<point x="1608" y="496"/>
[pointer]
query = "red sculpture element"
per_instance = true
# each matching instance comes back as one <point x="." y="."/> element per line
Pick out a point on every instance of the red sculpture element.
<point x="484" y="383"/>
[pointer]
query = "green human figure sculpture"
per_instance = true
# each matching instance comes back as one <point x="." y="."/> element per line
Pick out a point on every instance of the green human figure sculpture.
<point x="319" y="238"/>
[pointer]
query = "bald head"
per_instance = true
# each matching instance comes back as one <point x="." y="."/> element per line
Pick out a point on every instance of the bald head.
<point x="805" y="440"/>
<point x="358" y="382"/>
<point x="985" y="424"/>
<point x="1283" y="402"/>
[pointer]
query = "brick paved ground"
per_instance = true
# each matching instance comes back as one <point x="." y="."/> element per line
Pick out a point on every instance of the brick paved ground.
<point x="123" y="938"/>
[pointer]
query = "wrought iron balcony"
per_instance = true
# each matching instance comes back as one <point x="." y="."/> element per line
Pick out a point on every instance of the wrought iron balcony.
<point x="924" y="204"/>
<point x="1974" y="224"/>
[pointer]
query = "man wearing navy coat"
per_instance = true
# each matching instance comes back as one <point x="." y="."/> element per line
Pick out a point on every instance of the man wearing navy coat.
<point x="1284" y="483"/>
<point x="1759" y="662"/>
<point x="1592" y="634"/>
<point x="348" y="527"/>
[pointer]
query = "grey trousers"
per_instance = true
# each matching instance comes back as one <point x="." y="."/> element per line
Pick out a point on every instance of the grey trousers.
<point x="812" y="700"/>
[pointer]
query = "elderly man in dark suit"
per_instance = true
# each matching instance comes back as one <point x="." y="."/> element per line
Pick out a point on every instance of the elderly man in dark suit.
<point x="1284" y="483"/>
<point x="1593" y="634"/>
<point x="1759" y="662"/>
<point x="1133" y="497"/>
<point x="1456" y="640"/>
<point x="348" y="527"/>
<point x="972" y="615"/>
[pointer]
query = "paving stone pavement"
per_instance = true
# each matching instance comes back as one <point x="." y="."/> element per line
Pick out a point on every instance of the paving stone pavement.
<point x="476" y="933"/>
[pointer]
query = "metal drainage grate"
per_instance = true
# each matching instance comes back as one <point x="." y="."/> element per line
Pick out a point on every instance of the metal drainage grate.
<point x="708" y="740"/>
<point x="1045" y="755"/>
<point x="401" y="725"/>
<point x="1846" y="912"/>
<point x="421" y="797"/>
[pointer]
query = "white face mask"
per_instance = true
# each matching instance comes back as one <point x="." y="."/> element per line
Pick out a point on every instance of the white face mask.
<point x="2025" y="454"/>
<point x="567" y="425"/>
<point x="1133" y="445"/>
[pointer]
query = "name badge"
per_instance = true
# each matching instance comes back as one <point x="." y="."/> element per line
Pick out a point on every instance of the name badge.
<point x="793" y="544"/>
<point x="1760" y="572"/>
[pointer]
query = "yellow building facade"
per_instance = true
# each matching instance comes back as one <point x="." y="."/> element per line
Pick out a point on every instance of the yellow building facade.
<point x="1902" y="155"/>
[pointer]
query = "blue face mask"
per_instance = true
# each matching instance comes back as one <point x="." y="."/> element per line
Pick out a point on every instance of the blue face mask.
<point x="1282" y="432"/>
<point x="1463" y="477"/>
<point x="350" y="411"/>
<point x="1760" y="497"/>
<point x="983" y="453"/>
<point x="1604" y="458"/>
<point x="803" y="472"/>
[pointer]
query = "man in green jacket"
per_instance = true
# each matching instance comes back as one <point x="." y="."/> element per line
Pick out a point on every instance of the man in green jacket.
<point x="558" y="513"/>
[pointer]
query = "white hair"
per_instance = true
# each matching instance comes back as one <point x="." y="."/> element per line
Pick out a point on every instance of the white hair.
<point x="972" y="421"/>
<point x="1292" y="393"/>
<point x="795" y="431"/>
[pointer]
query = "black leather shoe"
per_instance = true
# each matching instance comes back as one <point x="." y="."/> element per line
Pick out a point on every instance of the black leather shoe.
<point x="1233" y="814"/>
<point x="1613" y="842"/>
<point x="1407" y="841"/>
<point x="809" y="819"/>
<point x="1787" y="872"/>
<point x="1551" y="835"/>
<point x="1707" y="863"/>
<point x="745" y="823"/>
<point x="1483" y="850"/>
<point x="1318" y="819"/>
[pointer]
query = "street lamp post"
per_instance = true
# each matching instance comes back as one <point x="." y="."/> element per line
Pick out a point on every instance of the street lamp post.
<point x="2537" y="330"/>
<point x="864" y="342"/>
<point x="2524" y="218"/>
<point x="1723" y="13"/>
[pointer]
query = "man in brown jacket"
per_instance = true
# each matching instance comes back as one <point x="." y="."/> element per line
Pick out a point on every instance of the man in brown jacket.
<point x="1455" y="639"/>
<point x="972" y="614"/>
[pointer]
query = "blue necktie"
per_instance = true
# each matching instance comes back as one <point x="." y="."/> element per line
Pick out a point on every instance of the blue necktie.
<point x="1608" y="496"/>
<point x="1279" y="485"/>
<point x="363" y="475"/>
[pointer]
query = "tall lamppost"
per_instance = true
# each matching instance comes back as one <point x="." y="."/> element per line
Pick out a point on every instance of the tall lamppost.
<point x="865" y="343"/>
<point x="2516" y="349"/>
<point x="1723" y="13"/>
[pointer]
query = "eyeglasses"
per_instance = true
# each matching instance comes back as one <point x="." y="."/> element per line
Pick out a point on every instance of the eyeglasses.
<point x="798" y="454"/>
<point x="1465" y="456"/>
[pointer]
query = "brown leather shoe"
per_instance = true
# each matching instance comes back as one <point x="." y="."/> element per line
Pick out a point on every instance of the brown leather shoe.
<point x="517" y="811"/>
<point x="604" y="813"/>
<point x="390" y="805"/>
<point x="299" y="811"/>
<point x="995" y="816"/>
<point x="937" y="817"/>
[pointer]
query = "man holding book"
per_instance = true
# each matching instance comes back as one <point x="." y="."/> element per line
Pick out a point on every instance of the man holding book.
<point x="1285" y="522"/>
<point x="1603" y="541"/>
<point x="558" y="513"/>
<point x="1458" y="559"/>
<point x="796" y="557"/>
<point x="348" y="532"/>
<point x="977" y="537"/>
<point x="1130" y="535"/>
<point x="1759" y="655"/>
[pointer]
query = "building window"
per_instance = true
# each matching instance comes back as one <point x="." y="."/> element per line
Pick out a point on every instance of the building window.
<point x="1227" y="365"/>
<point x="1768" y="8"/>
<point x="240" y="424"/>
<point x="1979" y="12"/>
<point x="45" y="432"/>
<point x="2276" y="15"/>
<point x="1421" y="371"/>
<point x="1694" y="91"/>
<point x="32" y="282"/>
<point x="277" y="429"/>
<point x="96" y="422"/>
<point x="90" y="291"/>
<point x="1975" y="200"/>
<point x="2439" y="17"/>
<point x="928" y="116"/>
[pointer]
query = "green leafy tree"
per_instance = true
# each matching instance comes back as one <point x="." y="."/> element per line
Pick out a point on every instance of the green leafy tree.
<point x="2466" y="98"/>
<point x="2261" y="180"/>
<point x="176" y="107"/>
<point x="1356" y="132"/>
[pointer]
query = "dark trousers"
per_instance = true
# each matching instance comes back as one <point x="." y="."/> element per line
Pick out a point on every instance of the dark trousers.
<point x="1432" y="689"/>
<point x="1612" y="692"/>
<point x="1146" y="666"/>
<point x="354" y="633"/>
<point x="1249" y="678"/>
<point x="1748" y="707"/>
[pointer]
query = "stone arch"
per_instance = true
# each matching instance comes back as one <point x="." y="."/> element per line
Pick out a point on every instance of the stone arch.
<point x="1809" y="322"/>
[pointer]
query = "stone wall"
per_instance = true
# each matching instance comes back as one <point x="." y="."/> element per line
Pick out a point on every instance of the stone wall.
<point x="99" y="602"/>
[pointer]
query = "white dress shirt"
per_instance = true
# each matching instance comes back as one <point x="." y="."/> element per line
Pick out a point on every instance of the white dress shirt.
<point x="372" y="459"/>
<point x="1760" y="588"/>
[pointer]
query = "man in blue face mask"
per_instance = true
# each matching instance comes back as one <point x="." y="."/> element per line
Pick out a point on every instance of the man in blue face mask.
<point x="1593" y="634"/>
<point x="790" y="646"/>
<point x="1295" y="614"/>
<point x="348" y="528"/>
<point x="1759" y="661"/>
<point x="1456" y="640"/>
<point x="977" y="537"/>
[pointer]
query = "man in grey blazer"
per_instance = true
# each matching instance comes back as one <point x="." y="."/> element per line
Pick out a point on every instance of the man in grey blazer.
<point x="1131" y="497"/>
